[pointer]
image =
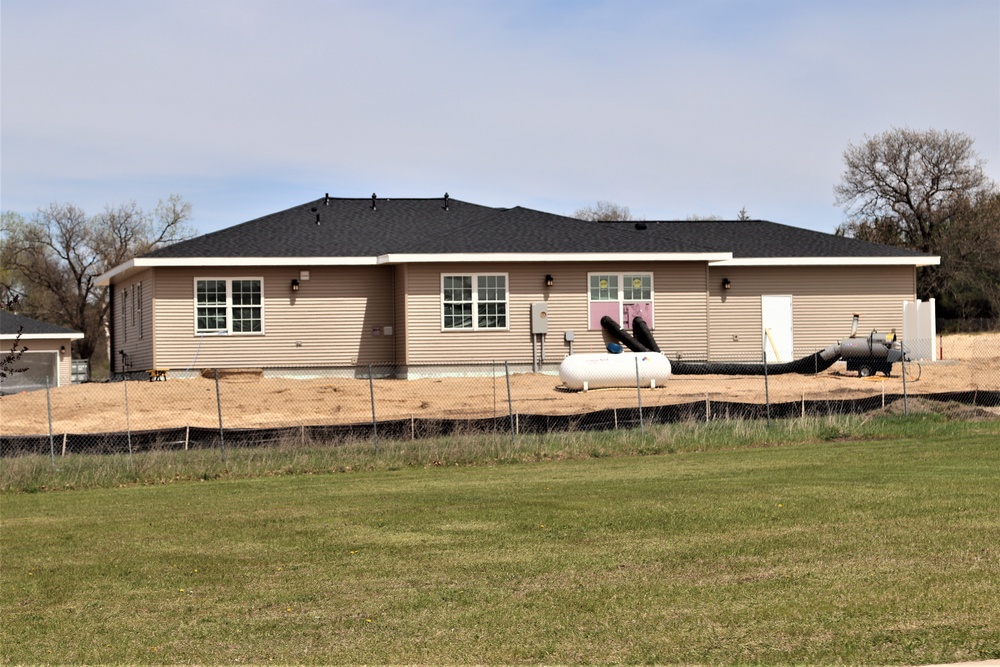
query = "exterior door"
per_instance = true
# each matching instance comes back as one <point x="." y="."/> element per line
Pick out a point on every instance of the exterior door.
<point x="776" y="319"/>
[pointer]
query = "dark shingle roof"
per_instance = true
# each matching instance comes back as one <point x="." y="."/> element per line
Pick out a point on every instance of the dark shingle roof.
<point x="760" y="238"/>
<point x="11" y="323"/>
<point x="352" y="228"/>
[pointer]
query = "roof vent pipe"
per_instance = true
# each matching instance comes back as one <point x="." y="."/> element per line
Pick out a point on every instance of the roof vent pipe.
<point x="317" y="218"/>
<point x="446" y="201"/>
<point x="326" y="199"/>
<point x="373" y="202"/>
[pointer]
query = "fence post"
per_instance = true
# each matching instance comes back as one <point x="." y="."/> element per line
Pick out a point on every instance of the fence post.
<point x="902" y="369"/>
<point x="767" y="394"/>
<point x="510" y="402"/>
<point x="48" y="405"/>
<point x="218" y="404"/>
<point x="371" y="393"/>
<point x="638" y="392"/>
<point x="128" y="425"/>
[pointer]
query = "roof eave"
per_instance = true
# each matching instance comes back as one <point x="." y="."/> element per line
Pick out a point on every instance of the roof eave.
<point x="142" y="263"/>
<point x="897" y="260"/>
<point x="414" y="258"/>
<point x="76" y="335"/>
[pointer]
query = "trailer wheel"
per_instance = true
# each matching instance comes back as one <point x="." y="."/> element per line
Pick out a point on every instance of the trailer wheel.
<point x="865" y="371"/>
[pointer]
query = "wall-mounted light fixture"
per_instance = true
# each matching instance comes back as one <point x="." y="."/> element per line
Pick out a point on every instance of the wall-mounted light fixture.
<point x="726" y="283"/>
<point x="295" y="284"/>
<point x="549" y="280"/>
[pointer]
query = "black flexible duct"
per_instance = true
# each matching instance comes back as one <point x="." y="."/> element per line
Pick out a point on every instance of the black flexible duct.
<point x="642" y="334"/>
<point x="808" y="365"/>
<point x="621" y="335"/>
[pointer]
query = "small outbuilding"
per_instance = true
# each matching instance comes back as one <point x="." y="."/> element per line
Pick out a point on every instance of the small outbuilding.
<point x="47" y="356"/>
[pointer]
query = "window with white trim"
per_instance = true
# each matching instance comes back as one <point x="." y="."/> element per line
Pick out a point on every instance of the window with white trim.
<point x="229" y="305"/>
<point x="620" y="296"/>
<point x="474" y="302"/>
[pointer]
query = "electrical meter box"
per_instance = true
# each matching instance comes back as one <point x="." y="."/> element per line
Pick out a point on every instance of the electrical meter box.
<point x="539" y="318"/>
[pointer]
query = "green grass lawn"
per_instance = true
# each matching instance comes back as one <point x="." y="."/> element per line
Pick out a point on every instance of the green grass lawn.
<point x="878" y="552"/>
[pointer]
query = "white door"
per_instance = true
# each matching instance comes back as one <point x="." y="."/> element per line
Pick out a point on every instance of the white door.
<point x="776" y="317"/>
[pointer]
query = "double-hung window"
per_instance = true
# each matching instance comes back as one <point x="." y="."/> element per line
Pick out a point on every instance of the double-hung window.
<point x="474" y="302"/>
<point x="621" y="296"/>
<point x="229" y="305"/>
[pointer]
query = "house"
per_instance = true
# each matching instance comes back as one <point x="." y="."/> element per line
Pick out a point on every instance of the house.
<point x="417" y="286"/>
<point x="47" y="357"/>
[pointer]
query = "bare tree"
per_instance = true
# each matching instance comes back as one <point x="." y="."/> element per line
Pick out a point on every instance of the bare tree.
<point x="743" y="216"/>
<point x="10" y="357"/>
<point x="54" y="259"/>
<point x="906" y="188"/>
<point x="604" y="211"/>
<point x="917" y="180"/>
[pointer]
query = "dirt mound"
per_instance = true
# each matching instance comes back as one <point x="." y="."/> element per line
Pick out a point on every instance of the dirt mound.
<point x="951" y="409"/>
<point x="234" y="373"/>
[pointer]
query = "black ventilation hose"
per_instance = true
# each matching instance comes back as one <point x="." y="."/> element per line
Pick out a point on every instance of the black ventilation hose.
<point x="810" y="365"/>
<point x="641" y="332"/>
<point x="619" y="334"/>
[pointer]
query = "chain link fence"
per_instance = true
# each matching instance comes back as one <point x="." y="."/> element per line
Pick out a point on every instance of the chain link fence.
<point x="229" y="408"/>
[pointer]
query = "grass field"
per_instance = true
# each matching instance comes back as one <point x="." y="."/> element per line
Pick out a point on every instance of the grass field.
<point x="879" y="550"/>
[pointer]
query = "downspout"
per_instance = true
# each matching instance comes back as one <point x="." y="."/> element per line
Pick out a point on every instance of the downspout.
<point x="395" y="329"/>
<point x="708" y="311"/>
<point x="111" y="329"/>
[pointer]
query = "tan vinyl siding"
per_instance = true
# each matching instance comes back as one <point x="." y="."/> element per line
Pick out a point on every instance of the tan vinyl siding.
<point x="330" y="321"/>
<point x="824" y="299"/>
<point x="400" y="276"/>
<point x="337" y="313"/>
<point x="679" y="303"/>
<point x="681" y="310"/>
<point x="134" y="333"/>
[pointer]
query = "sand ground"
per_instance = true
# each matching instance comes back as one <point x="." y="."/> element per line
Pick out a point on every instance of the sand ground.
<point x="970" y="361"/>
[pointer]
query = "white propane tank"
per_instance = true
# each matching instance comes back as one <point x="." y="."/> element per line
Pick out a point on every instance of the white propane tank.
<point x="603" y="370"/>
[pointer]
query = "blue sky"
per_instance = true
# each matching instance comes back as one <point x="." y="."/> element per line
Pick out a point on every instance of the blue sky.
<point x="675" y="109"/>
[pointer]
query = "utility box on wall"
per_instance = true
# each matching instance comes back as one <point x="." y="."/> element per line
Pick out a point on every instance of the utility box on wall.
<point x="539" y="318"/>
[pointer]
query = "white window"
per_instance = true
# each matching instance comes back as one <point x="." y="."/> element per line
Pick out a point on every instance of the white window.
<point x="229" y="305"/>
<point x="621" y="296"/>
<point x="474" y="302"/>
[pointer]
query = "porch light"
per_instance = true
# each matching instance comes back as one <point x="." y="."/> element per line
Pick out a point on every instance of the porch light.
<point x="726" y="283"/>
<point x="548" y="280"/>
<point x="295" y="284"/>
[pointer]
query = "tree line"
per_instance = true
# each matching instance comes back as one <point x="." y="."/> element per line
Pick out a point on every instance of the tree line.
<point x="49" y="263"/>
